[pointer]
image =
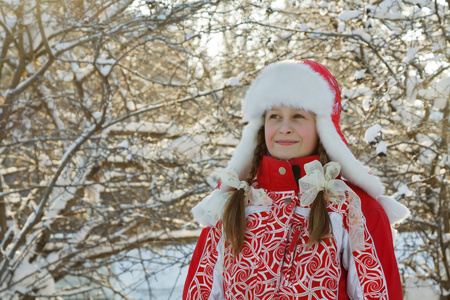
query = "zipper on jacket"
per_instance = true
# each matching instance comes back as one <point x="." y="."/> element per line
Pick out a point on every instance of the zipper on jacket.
<point x="277" y="288"/>
<point x="293" y="250"/>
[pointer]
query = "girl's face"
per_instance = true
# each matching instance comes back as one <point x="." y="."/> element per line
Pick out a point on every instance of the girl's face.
<point x="290" y="132"/>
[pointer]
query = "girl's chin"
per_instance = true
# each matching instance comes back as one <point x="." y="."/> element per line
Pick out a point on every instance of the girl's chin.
<point x="288" y="156"/>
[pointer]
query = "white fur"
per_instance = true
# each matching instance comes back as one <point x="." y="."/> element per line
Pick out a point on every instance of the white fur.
<point x="243" y="155"/>
<point x="351" y="168"/>
<point x="210" y="206"/>
<point x="395" y="211"/>
<point x="288" y="83"/>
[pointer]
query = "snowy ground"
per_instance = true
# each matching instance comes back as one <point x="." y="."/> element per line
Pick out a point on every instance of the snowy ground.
<point x="417" y="289"/>
<point x="143" y="274"/>
<point x="166" y="280"/>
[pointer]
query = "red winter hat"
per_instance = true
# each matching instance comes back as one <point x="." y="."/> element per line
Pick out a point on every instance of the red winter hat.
<point x="302" y="84"/>
<point x="307" y="85"/>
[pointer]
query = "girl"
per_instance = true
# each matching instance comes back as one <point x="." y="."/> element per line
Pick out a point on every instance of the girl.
<point x="283" y="224"/>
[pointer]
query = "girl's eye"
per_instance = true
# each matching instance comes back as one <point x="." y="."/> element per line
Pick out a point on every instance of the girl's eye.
<point x="274" y="116"/>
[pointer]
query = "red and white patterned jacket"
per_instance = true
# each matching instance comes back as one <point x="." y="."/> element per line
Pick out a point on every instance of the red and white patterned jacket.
<point x="274" y="262"/>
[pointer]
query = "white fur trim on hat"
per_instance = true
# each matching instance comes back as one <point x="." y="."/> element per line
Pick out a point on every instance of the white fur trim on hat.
<point x="351" y="168"/>
<point x="288" y="83"/>
<point x="243" y="155"/>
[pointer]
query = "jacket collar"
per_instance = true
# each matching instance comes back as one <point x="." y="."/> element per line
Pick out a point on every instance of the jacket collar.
<point x="277" y="175"/>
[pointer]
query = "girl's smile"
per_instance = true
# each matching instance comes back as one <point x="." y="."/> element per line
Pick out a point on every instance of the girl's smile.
<point x="286" y="142"/>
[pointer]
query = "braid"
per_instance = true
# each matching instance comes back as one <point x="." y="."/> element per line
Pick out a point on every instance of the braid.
<point x="260" y="151"/>
<point x="323" y="156"/>
<point x="234" y="211"/>
<point x="319" y="220"/>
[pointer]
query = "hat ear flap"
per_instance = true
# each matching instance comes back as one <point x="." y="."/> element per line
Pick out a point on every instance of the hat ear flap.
<point x="338" y="151"/>
<point x="242" y="157"/>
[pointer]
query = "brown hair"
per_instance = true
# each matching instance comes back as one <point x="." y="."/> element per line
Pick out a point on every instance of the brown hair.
<point x="234" y="210"/>
<point x="319" y="220"/>
<point x="234" y="221"/>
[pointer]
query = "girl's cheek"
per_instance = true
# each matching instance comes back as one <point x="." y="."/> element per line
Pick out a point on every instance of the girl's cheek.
<point x="269" y="131"/>
<point x="267" y="134"/>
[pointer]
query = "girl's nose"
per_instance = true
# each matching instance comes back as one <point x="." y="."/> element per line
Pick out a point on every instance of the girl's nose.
<point x="285" y="128"/>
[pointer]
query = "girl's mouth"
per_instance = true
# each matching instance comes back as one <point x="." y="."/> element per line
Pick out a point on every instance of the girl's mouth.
<point x="286" y="142"/>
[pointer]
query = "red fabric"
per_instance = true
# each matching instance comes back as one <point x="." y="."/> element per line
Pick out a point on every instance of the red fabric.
<point x="378" y="225"/>
<point x="196" y="257"/>
<point x="275" y="260"/>
<point x="202" y="283"/>
<point x="378" y="235"/>
<point x="271" y="178"/>
<point x="343" y="285"/>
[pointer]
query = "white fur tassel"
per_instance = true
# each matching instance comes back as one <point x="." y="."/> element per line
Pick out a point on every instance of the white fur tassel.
<point x="243" y="155"/>
<point x="395" y="211"/>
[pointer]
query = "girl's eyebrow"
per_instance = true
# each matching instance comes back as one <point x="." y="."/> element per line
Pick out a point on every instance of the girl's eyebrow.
<point x="271" y="112"/>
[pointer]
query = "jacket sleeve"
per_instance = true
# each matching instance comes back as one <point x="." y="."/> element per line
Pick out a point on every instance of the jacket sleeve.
<point x="202" y="274"/>
<point x="380" y="230"/>
<point x="375" y="268"/>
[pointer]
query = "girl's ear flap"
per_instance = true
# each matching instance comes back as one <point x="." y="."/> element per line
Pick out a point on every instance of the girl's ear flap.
<point x="242" y="157"/>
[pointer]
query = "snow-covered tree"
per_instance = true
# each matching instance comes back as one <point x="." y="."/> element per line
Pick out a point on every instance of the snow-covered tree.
<point x="116" y="117"/>
<point x="102" y="139"/>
